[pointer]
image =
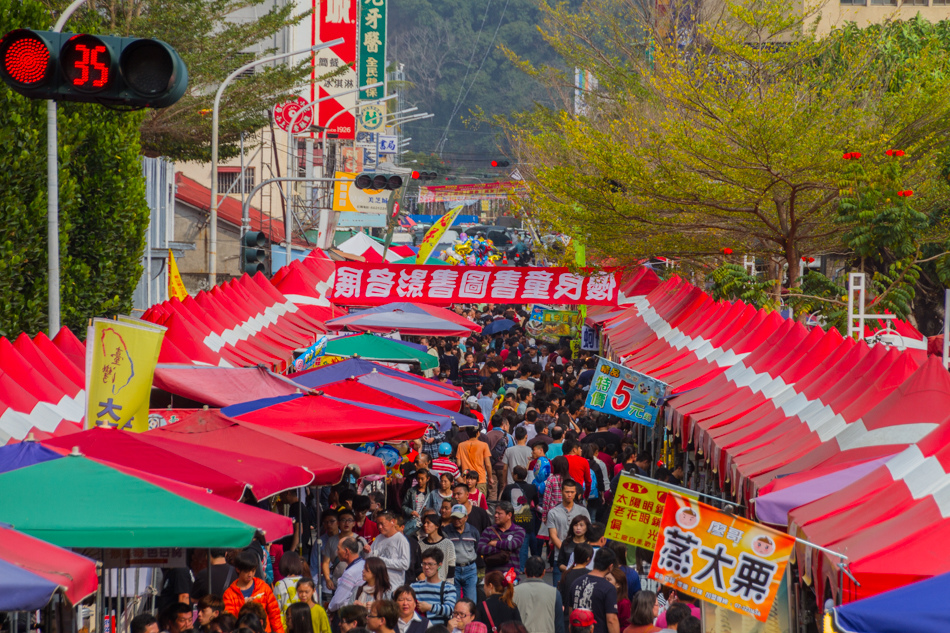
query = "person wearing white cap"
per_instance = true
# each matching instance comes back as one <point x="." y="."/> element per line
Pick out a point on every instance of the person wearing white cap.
<point x="464" y="537"/>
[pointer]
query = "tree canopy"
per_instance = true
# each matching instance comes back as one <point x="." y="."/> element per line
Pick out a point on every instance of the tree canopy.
<point x="725" y="131"/>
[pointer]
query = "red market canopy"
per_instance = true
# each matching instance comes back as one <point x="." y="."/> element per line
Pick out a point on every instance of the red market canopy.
<point x="326" y="461"/>
<point x="220" y="386"/>
<point x="75" y="575"/>
<point x="224" y="472"/>
<point x="328" y="419"/>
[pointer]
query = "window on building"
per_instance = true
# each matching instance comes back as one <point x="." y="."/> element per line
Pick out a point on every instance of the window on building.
<point x="860" y="3"/>
<point x="229" y="180"/>
<point x="916" y="3"/>
<point x="941" y="3"/>
<point x="889" y="3"/>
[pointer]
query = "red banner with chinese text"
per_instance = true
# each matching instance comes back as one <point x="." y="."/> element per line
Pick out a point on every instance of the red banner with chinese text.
<point x="368" y="284"/>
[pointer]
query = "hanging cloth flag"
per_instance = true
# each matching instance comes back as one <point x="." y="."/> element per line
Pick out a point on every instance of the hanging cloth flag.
<point x="435" y="233"/>
<point x="176" y="287"/>
<point x="120" y="363"/>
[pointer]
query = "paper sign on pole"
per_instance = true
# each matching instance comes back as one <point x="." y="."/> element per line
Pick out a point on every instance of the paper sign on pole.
<point x="621" y="391"/>
<point x="720" y="558"/>
<point x="120" y="363"/>
<point x="636" y="512"/>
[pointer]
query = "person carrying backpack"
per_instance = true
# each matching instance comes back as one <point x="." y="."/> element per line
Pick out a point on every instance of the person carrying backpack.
<point x="525" y="500"/>
<point x="498" y="441"/>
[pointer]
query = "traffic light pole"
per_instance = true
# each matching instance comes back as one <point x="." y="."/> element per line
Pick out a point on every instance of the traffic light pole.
<point x="246" y="207"/>
<point x="288" y="221"/>
<point x="213" y="210"/>
<point x="52" y="195"/>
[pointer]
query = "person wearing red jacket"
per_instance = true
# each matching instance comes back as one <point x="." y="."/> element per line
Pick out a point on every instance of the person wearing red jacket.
<point x="247" y="588"/>
<point x="577" y="465"/>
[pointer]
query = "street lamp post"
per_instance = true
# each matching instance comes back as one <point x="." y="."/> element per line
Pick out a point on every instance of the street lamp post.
<point x="288" y="225"/>
<point x="52" y="196"/>
<point x="213" y="225"/>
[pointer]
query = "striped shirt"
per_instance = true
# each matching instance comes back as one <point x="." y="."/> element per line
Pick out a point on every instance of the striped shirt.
<point x="441" y="595"/>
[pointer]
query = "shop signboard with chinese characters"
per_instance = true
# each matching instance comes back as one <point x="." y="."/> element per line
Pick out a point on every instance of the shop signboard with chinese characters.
<point x="366" y="143"/>
<point x="369" y="284"/>
<point x="720" y="558"/>
<point x="372" y="48"/>
<point x="553" y="324"/>
<point x="335" y="19"/>
<point x="628" y="394"/>
<point x="387" y="144"/>
<point x="636" y="511"/>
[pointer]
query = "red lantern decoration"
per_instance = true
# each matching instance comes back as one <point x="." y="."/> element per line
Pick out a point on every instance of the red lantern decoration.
<point x="727" y="251"/>
<point x="889" y="152"/>
<point x="898" y="152"/>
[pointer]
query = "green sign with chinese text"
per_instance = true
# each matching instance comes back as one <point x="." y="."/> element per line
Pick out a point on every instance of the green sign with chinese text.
<point x="372" y="48"/>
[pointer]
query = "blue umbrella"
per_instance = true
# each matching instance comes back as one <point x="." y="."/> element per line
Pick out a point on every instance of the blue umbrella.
<point x="498" y="325"/>
<point x="920" y="607"/>
<point x="22" y="591"/>
<point x="13" y="456"/>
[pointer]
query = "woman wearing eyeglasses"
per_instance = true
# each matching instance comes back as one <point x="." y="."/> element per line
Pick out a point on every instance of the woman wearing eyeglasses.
<point x="409" y="621"/>
<point x="462" y="616"/>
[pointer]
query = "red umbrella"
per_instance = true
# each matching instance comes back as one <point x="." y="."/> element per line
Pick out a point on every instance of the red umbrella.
<point x="223" y="472"/>
<point x="325" y="418"/>
<point x="326" y="461"/>
<point x="74" y="573"/>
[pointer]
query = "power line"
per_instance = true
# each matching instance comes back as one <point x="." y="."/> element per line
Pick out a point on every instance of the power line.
<point x="467" y="69"/>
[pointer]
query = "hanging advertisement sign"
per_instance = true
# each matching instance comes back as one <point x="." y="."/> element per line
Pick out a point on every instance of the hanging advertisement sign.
<point x="552" y="325"/>
<point x="331" y="20"/>
<point x="589" y="339"/>
<point x="719" y="558"/>
<point x="387" y="144"/>
<point x="372" y="48"/>
<point x="366" y="143"/>
<point x="359" y="283"/>
<point x="636" y="512"/>
<point x="621" y="391"/>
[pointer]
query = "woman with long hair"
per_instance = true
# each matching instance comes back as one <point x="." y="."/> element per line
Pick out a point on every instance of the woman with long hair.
<point x="643" y="611"/>
<point x="444" y="491"/>
<point x="580" y="533"/>
<point x="298" y="619"/>
<point x="618" y="579"/>
<point x="499" y="605"/>
<point x="291" y="567"/>
<point x="376" y="585"/>
<point x="544" y="387"/>
<point x="414" y="502"/>
<point x="409" y="619"/>
<point x="431" y="536"/>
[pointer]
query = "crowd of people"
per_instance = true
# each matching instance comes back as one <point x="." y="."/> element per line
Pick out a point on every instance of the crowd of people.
<point x="496" y="527"/>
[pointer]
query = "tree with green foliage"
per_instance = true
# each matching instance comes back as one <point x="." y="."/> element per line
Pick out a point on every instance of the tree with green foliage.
<point x="103" y="214"/>
<point x="729" y="133"/>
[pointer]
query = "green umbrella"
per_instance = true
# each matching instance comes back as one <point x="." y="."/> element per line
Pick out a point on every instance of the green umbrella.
<point x="78" y="502"/>
<point x="432" y="261"/>
<point x="382" y="349"/>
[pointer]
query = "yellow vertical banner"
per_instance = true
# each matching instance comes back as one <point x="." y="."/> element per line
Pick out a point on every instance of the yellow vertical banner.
<point x="436" y="231"/>
<point x="121" y="356"/>
<point x="176" y="287"/>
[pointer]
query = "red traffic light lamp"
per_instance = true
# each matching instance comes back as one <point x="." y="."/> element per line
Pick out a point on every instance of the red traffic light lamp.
<point x="500" y="163"/>
<point x="92" y="68"/>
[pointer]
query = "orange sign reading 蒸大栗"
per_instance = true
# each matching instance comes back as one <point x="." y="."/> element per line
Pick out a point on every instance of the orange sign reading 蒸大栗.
<point x="719" y="558"/>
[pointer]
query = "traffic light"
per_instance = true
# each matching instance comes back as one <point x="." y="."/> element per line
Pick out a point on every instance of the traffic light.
<point x="424" y="175"/>
<point x="500" y="163"/>
<point x="253" y="253"/>
<point x="378" y="181"/>
<point x="124" y="71"/>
